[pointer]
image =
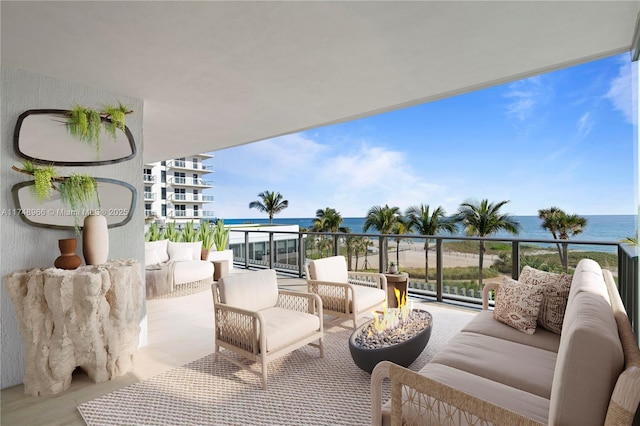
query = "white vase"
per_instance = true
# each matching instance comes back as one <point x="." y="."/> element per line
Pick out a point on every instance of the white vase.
<point x="95" y="239"/>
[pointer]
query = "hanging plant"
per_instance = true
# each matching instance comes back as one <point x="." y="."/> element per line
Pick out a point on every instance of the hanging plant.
<point x="76" y="191"/>
<point x="116" y="115"/>
<point x="44" y="177"/>
<point x="85" y="124"/>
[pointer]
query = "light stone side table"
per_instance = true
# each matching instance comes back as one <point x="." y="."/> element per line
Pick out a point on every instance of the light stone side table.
<point x="396" y="281"/>
<point x="87" y="317"/>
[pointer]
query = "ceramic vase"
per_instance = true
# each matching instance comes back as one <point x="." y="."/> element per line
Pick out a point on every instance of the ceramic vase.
<point x="68" y="258"/>
<point x="95" y="239"/>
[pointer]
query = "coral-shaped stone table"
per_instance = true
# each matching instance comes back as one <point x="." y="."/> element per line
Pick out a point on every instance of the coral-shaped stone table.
<point x="88" y="318"/>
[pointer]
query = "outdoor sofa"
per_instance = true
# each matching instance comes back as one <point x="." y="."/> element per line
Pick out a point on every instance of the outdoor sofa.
<point x="493" y="373"/>
<point x="175" y="269"/>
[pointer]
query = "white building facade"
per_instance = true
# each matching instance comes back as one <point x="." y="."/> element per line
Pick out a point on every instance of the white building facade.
<point x="174" y="190"/>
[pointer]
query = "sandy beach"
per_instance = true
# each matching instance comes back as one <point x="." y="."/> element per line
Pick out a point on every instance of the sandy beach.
<point x="412" y="256"/>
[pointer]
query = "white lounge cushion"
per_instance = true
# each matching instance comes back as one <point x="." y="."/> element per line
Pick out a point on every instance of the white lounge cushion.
<point x="367" y="297"/>
<point x="588" y="277"/>
<point x="252" y="291"/>
<point x="285" y="326"/>
<point x="331" y="269"/>
<point x="180" y="252"/>
<point x="191" y="271"/>
<point x="484" y="323"/>
<point x="151" y="257"/>
<point x="160" y="247"/>
<point x="513" y="364"/>
<point x="517" y="400"/>
<point x="590" y="359"/>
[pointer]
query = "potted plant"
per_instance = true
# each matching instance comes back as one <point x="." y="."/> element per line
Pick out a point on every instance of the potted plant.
<point x="220" y="236"/>
<point x="205" y="234"/>
<point x="393" y="269"/>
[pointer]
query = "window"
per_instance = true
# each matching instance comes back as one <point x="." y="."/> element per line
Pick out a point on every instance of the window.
<point x="163" y="193"/>
<point x="163" y="163"/>
<point x="164" y="210"/>
<point x="195" y="211"/>
<point x="163" y="176"/>
<point x="195" y="195"/>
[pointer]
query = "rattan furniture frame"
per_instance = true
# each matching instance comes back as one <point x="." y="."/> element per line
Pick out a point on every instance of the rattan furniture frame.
<point x="244" y="331"/>
<point x="431" y="402"/>
<point x="338" y="298"/>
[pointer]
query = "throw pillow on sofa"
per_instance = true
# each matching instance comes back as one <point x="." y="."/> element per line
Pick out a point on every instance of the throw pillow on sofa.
<point x="180" y="252"/>
<point x="555" y="295"/>
<point x="518" y="304"/>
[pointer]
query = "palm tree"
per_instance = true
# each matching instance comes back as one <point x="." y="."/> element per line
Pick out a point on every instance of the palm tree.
<point x="562" y="226"/>
<point x="484" y="219"/>
<point x="383" y="219"/>
<point x="270" y="202"/>
<point x="429" y="223"/>
<point x="328" y="220"/>
<point x="400" y="228"/>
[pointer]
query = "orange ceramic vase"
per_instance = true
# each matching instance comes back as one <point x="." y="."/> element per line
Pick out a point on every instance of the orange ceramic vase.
<point x="68" y="258"/>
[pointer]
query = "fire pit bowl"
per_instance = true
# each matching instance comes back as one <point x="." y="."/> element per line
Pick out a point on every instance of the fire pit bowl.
<point x="403" y="352"/>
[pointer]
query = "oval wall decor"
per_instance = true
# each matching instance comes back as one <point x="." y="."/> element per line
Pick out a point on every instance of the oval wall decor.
<point x="41" y="136"/>
<point x="117" y="204"/>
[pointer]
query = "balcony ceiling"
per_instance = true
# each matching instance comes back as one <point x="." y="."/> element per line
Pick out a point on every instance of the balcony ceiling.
<point x="219" y="74"/>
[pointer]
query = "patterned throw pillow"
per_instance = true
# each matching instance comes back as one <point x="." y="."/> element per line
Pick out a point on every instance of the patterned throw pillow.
<point x="518" y="304"/>
<point x="556" y="293"/>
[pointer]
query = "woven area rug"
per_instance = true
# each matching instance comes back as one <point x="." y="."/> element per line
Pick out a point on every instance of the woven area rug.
<point x="303" y="389"/>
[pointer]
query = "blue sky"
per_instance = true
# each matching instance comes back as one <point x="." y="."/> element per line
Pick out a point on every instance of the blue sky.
<point x="562" y="139"/>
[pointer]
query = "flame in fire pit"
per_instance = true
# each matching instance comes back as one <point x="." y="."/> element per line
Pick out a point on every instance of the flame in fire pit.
<point x="394" y="317"/>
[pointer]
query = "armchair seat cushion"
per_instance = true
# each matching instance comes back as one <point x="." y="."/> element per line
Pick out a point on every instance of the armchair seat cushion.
<point x="367" y="296"/>
<point x="190" y="271"/>
<point x="332" y="269"/>
<point x="284" y="326"/>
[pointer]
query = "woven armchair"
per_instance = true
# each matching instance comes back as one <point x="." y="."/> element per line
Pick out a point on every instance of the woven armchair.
<point x="345" y="294"/>
<point x="260" y="323"/>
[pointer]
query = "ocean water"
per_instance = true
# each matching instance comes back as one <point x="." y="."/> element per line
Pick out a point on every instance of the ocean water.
<point x="611" y="228"/>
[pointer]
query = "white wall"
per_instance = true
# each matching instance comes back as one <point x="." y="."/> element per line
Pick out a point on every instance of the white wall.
<point x="23" y="246"/>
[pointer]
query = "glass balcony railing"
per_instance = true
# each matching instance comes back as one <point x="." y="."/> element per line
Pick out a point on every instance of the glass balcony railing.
<point x="453" y="262"/>
<point x="149" y="178"/>
<point x="149" y="196"/>
<point x="188" y="181"/>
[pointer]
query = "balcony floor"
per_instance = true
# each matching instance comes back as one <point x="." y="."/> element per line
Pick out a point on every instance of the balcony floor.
<point x="180" y="331"/>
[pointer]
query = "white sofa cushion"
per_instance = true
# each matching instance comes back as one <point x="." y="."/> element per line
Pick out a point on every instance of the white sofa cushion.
<point x="590" y="359"/>
<point x="151" y="257"/>
<point x="160" y="247"/>
<point x="520" y="366"/>
<point x="284" y="326"/>
<point x="252" y="291"/>
<point x="484" y="323"/>
<point x="180" y="252"/>
<point x="588" y="277"/>
<point x="331" y="269"/>
<point x="517" y="400"/>
<point x="192" y="271"/>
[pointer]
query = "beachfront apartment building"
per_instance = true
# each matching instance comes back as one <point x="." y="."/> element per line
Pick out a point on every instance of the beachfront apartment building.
<point x="174" y="190"/>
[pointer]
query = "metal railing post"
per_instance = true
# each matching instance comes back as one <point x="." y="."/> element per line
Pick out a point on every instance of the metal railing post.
<point x="302" y="258"/>
<point x="515" y="260"/>
<point x="381" y="258"/>
<point x="439" y="270"/>
<point x="271" y="254"/>
<point x="335" y="243"/>
<point x="246" y="249"/>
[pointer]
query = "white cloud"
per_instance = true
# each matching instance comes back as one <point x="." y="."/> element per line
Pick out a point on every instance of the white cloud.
<point x="311" y="176"/>
<point x="585" y="124"/>
<point x="622" y="94"/>
<point x="526" y="97"/>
